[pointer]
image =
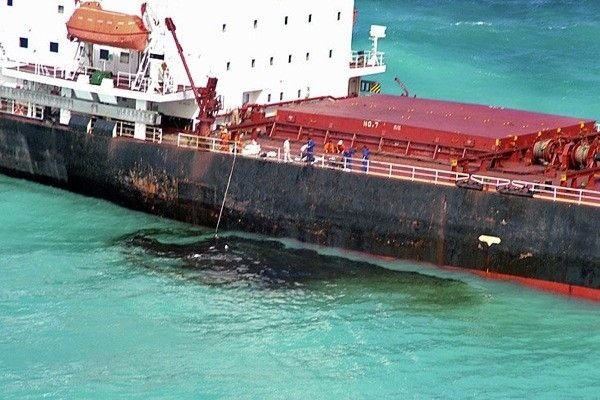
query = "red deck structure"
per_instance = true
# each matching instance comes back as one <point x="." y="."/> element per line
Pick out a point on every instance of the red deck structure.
<point x="423" y="127"/>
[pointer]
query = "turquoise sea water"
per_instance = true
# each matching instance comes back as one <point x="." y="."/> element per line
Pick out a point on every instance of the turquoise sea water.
<point x="101" y="302"/>
<point x="540" y="55"/>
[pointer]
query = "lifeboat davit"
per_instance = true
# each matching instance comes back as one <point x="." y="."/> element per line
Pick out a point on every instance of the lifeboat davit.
<point x="91" y="24"/>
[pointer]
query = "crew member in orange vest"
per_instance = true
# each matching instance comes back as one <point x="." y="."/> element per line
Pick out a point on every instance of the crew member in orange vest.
<point x="224" y="139"/>
<point x="329" y="147"/>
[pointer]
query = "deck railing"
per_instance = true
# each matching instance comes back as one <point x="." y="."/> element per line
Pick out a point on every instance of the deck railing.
<point x="391" y="170"/>
<point x="40" y="69"/>
<point x="154" y="134"/>
<point x="127" y="129"/>
<point x="487" y="181"/>
<point x="560" y="193"/>
<point x="24" y="109"/>
<point x="365" y="59"/>
<point x="401" y="171"/>
<point x="122" y="80"/>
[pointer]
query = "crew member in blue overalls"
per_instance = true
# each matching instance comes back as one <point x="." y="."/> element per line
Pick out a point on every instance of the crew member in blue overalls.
<point x="347" y="157"/>
<point x="310" y="150"/>
<point x="365" y="158"/>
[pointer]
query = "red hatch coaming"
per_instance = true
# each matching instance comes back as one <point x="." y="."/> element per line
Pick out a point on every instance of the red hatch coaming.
<point x="435" y="121"/>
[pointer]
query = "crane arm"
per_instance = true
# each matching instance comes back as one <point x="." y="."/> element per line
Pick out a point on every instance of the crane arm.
<point x="205" y="97"/>
<point x="171" y="27"/>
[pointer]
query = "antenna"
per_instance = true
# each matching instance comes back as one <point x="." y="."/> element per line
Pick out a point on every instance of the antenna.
<point x="377" y="32"/>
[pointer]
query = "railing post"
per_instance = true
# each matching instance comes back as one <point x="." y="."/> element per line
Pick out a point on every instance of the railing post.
<point x="390" y="174"/>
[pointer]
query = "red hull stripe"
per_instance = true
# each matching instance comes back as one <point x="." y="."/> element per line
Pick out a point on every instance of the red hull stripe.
<point x="548" y="286"/>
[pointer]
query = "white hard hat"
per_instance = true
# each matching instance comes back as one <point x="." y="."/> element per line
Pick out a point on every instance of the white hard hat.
<point x="340" y="142"/>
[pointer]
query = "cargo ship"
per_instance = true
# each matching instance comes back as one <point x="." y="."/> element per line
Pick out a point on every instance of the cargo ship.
<point x="200" y="121"/>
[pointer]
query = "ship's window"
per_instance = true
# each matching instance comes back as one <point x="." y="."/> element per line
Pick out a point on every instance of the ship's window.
<point x="285" y="20"/>
<point x="224" y="28"/>
<point x="104" y="55"/>
<point x="228" y="65"/>
<point x="330" y="53"/>
<point x="309" y="18"/>
<point x="255" y="23"/>
<point x="253" y="63"/>
<point x="299" y="93"/>
<point x="124" y="58"/>
<point x="23" y="42"/>
<point x="339" y="16"/>
<point x="9" y="2"/>
<point x="269" y="98"/>
<point x="290" y="58"/>
<point x="280" y="96"/>
<point x="61" y="9"/>
<point x="271" y="61"/>
<point x="307" y="56"/>
<point x="53" y="47"/>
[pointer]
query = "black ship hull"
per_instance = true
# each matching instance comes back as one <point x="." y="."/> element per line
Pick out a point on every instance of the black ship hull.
<point x="547" y="244"/>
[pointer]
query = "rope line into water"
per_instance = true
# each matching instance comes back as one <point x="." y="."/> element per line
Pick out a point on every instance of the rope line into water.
<point x="235" y="150"/>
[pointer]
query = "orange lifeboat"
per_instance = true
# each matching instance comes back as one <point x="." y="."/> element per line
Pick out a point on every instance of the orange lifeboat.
<point x="90" y="23"/>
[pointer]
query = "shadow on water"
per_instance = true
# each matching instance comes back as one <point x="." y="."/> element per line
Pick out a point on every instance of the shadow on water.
<point x="266" y="264"/>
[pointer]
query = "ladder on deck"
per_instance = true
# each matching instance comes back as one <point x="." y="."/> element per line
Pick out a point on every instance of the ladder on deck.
<point x="80" y="54"/>
<point x="142" y="72"/>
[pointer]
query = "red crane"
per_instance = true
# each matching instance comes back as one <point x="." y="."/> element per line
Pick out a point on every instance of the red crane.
<point x="206" y="97"/>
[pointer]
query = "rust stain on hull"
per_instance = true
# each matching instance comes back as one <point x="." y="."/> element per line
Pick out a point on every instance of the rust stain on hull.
<point x="151" y="184"/>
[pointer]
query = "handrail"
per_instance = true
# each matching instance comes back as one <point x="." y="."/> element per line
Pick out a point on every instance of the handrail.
<point x="127" y="129"/>
<point x="364" y="59"/>
<point x="217" y="145"/>
<point x="490" y="180"/>
<point x="560" y="193"/>
<point x="22" y="109"/>
<point x="406" y="172"/>
<point x="154" y="134"/>
<point x="122" y="79"/>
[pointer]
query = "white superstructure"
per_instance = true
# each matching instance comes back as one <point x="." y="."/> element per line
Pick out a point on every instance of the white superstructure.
<point x="265" y="51"/>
